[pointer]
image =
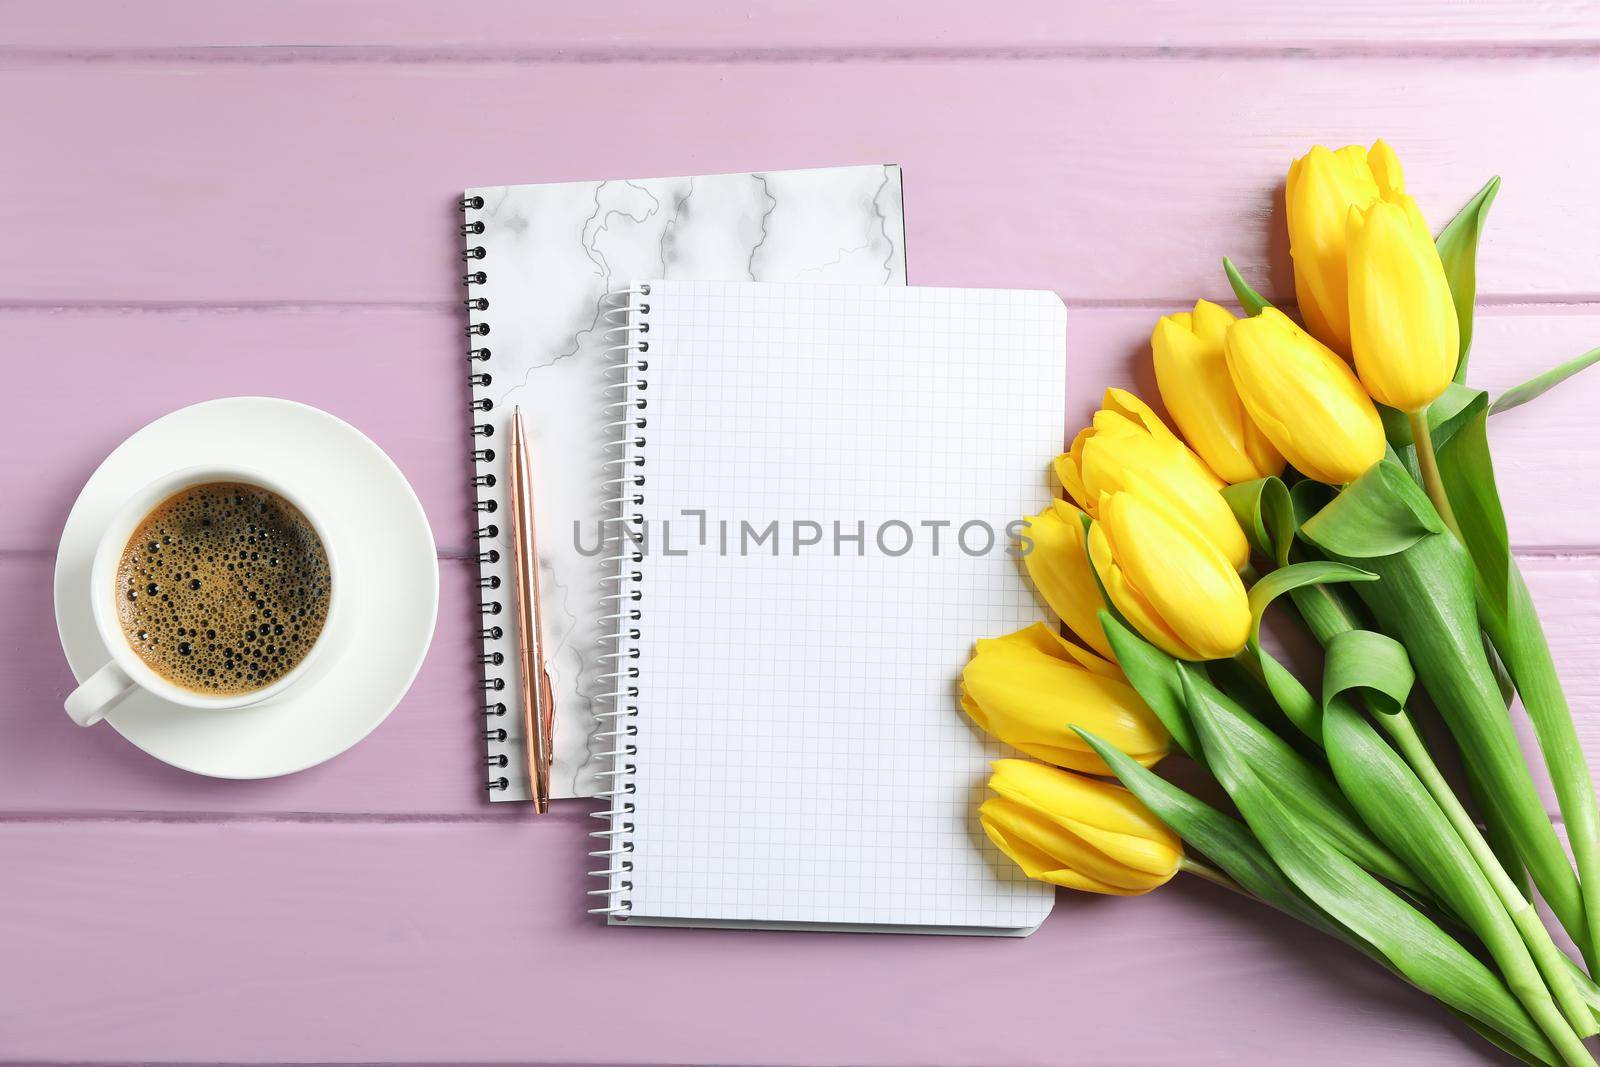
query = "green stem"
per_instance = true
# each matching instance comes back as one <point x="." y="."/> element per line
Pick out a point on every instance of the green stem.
<point x="1552" y="964"/>
<point x="1190" y="865"/>
<point x="1327" y="618"/>
<point x="1521" y="643"/>
<point x="1428" y="462"/>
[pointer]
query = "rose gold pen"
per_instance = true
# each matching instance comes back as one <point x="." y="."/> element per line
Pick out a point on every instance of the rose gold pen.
<point x="538" y="699"/>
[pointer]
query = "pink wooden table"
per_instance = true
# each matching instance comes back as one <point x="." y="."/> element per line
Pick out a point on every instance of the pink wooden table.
<point x="199" y="200"/>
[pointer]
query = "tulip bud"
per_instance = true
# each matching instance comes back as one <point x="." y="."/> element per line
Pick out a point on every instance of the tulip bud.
<point x="1030" y="688"/>
<point x="1192" y="373"/>
<point x="1169" y="581"/>
<point x="1403" y="329"/>
<point x="1077" y="832"/>
<point x="1058" y="563"/>
<point x="1304" y="398"/>
<point x="1129" y="449"/>
<point x="1321" y="188"/>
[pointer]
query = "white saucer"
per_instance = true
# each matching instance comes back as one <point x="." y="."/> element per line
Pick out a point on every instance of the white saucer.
<point x="392" y="582"/>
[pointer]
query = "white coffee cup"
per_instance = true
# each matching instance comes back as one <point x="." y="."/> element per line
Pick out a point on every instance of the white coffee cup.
<point x="126" y="671"/>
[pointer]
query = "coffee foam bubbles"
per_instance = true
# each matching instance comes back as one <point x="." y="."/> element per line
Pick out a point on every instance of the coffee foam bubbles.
<point x="223" y="588"/>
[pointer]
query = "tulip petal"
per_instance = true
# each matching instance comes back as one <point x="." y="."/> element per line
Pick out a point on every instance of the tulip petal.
<point x="1108" y="806"/>
<point x="1129" y="601"/>
<point x="1136" y="853"/>
<point x="1403" y="326"/>
<point x="1035" y="863"/>
<point x="1031" y="698"/>
<point x="1131" y="407"/>
<point x="1192" y="374"/>
<point x="1042" y="638"/>
<point x="1318" y="193"/>
<point x="1069" y="468"/>
<point x="1128" y="447"/>
<point x="1185" y="581"/>
<point x="1305" y="399"/>
<point x="1041" y="842"/>
<point x="1386" y="170"/>
<point x="1058" y="564"/>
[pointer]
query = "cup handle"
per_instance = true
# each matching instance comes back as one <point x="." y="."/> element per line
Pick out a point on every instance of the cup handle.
<point x="98" y="694"/>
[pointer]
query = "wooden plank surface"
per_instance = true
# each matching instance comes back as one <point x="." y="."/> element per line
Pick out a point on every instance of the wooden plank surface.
<point x="204" y="200"/>
<point x="436" y="27"/>
<point x="1037" y="173"/>
<point x="426" y="759"/>
<point x="417" y="409"/>
<point x="465" y="943"/>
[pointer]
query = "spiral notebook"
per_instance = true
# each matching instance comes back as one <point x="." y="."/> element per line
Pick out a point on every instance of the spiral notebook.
<point x="539" y="260"/>
<point x="818" y="495"/>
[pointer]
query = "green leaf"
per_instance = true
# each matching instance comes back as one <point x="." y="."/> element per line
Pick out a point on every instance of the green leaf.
<point x="1266" y="515"/>
<point x="1369" y="661"/>
<point x="1291" y="695"/>
<point x="1458" y="250"/>
<point x="1467" y="470"/>
<point x="1222" y="839"/>
<point x="1307" y="498"/>
<point x="1303" y="788"/>
<point x="1379" y="514"/>
<point x="1297" y="703"/>
<point x="1418" y="949"/>
<point x="1298" y="576"/>
<point x="1399" y="809"/>
<point x="1154" y="676"/>
<point x="1506" y="612"/>
<point x="1539" y="385"/>
<point x="1248" y="688"/>
<point x="1266" y="512"/>
<point x="1392" y="801"/>
<point x="1425" y="599"/>
<point x="1251" y="300"/>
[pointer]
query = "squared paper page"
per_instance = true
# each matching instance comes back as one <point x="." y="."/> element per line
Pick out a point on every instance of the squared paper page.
<point x="801" y="755"/>
<point x="551" y="254"/>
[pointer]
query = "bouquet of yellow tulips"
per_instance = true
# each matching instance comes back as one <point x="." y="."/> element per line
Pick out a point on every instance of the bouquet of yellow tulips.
<point x="1343" y="466"/>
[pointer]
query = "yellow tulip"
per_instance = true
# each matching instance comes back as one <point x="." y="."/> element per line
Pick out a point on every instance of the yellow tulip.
<point x="1321" y="188"/>
<point x="1129" y="449"/>
<point x="1058" y="563"/>
<point x="1305" y="399"/>
<point x="1167" y="580"/>
<point x="1077" y="832"/>
<point x="1192" y="373"/>
<point x="1030" y="688"/>
<point x="1403" y="329"/>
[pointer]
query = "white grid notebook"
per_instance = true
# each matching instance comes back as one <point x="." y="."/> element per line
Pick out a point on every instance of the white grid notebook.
<point x="797" y="753"/>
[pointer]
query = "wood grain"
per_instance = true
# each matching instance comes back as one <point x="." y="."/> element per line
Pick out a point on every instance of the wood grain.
<point x="203" y="200"/>
<point x="426" y="760"/>
<point x="437" y="27"/>
<point x="1041" y="173"/>
<point x="398" y="374"/>
<point x="309" y="941"/>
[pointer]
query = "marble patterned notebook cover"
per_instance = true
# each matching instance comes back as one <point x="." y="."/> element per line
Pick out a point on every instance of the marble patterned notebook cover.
<point x="550" y="254"/>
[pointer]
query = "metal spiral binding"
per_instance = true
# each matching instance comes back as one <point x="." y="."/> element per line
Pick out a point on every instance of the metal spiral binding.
<point x="623" y="485"/>
<point x="482" y="456"/>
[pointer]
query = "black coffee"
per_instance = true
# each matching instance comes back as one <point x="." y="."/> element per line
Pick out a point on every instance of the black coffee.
<point x="223" y="588"/>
